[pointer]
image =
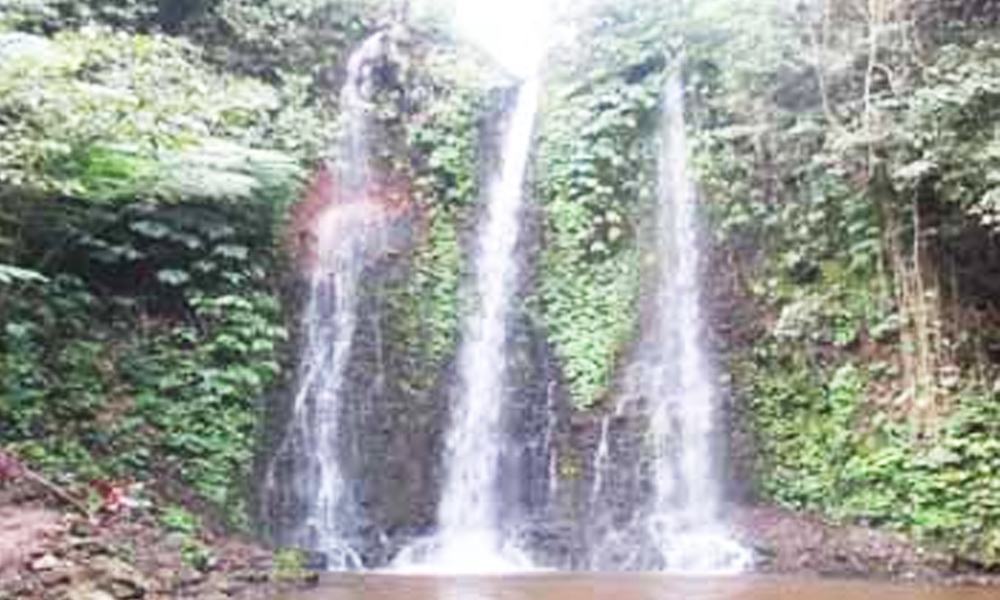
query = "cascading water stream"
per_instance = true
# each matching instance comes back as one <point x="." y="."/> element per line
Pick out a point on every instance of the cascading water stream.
<point x="601" y="457"/>
<point x="469" y="536"/>
<point x="305" y="478"/>
<point x="683" y="519"/>
<point x="550" y="448"/>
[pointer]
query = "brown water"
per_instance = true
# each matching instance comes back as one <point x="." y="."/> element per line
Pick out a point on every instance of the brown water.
<point x="625" y="587"/>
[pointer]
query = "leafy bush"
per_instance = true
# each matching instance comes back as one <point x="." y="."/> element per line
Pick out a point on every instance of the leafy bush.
<point x="122" y="398"/>
<point x="594" y="133"/>
<point x="179" y="520"/>
<point x="290" y="565"/>
<point x="451" y="94"/>
<point x="118" y="116"/>
<point x="844" y="167"/>
<point x="945" y="135"/>
<point x="826" y="448"/>
<point x="130" y="182"/>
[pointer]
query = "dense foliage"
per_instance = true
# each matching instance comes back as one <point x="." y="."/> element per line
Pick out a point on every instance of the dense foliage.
<point x="847" y="156"/>
<point x="451" y="95"/>
<point x="145" y="180"/>
<point x="595" y="131"/>
<point x="143" y="191"/>
<point x="850" y="165"/>
<point x="847" y="152"/>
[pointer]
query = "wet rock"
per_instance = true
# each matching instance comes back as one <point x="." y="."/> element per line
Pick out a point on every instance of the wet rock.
<point x="221" y="584"/>
<point x="260" y="560"/>
<point x="252" y="576"/>
<point x="176" y="541"/>
<point x="788" y="542"/>
<point x="189" y="577"/>
<point x="81" y="529"/>
<point x="46" y="563"/>
<point x="315" y="561"/>
<point x="56" y="577"/>
<point x="233" y="589"/>
<point x="122" y="580"/>
<point x="87" y="592"/>
<point x="23" y="534"/>
<point x="165" y="578"/>
<point x="88" y="546"/>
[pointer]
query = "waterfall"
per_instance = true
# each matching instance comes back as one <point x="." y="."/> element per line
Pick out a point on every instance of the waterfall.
<point x="470" y="537"/>
<point x="306" y="484"/>
<point x="683" y="519"/>
<point x="550" y="448"/>
<point x="601" y="457"/>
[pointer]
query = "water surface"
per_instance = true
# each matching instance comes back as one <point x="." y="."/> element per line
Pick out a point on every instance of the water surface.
<point x="625" y="587"/>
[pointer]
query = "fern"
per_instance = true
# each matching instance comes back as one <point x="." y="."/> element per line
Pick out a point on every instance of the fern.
<point x="9" y="275"/>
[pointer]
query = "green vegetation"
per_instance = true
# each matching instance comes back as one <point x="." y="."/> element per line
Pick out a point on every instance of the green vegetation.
<point x="186" y="527"/>
<point x="143" y="192"/>
<point x="444" y="142"/>
<point x="850" y="165"/>
<point x="596" y="182"/>
<point x="289" y="565"/>
<point x="827" y="447"/>
<point x="145" y="180"/>
<point x="150" y="153"/>
<point x="119" y="117"/>
<point x="848" y="161"/>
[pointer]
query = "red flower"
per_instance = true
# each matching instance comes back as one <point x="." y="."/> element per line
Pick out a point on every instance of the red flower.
<point x="117" y="499"/>
<point x="10" y="467"/>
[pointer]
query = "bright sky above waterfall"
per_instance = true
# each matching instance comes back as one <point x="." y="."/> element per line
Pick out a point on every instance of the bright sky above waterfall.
<point x="513" y="31"/>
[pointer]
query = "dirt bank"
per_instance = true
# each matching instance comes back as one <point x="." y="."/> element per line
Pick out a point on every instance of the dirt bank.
<point x="790" y="543"/>
<point x="50" y="553"/>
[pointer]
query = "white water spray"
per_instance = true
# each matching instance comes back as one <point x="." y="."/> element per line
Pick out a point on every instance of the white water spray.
<point x="470" y="538"/>
<point x="313" y="490"/>
<point x="684" y="517"/>
<point x="601" y="458"/>
<point x="550" y="447"/>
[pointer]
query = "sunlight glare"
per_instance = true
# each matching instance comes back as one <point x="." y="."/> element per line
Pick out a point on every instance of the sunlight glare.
<point x="512" y="31"/>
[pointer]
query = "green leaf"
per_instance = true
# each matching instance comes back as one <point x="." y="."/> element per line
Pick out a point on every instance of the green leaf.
<point x="10" y="274"/>
<point x="232" y="251"/>
<point x="173" y="277"/>
<point x="151" y="229"/>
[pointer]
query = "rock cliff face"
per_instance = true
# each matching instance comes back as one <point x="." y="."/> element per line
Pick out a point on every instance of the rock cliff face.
<point x="398" y="384"/>
<point x="394" y="428"/>
<point x="569" y="476"/>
